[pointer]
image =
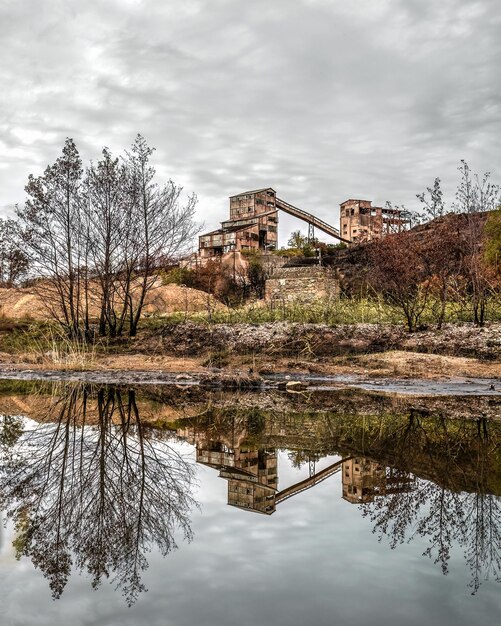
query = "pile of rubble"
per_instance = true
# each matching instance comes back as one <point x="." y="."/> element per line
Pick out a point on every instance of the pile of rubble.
<point x="318" y="340"/>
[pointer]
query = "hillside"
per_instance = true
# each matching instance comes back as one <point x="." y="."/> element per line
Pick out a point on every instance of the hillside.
<point x="161" y="300"/>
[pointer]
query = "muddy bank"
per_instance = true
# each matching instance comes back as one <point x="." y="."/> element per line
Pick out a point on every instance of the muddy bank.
<point x="214" y="380"/>
<point x="243" y="351"/>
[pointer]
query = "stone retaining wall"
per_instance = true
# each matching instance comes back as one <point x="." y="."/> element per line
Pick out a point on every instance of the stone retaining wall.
<point x="301" y="283"/>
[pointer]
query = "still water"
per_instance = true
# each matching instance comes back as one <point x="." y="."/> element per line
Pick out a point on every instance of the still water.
<point x="177" y="507"/>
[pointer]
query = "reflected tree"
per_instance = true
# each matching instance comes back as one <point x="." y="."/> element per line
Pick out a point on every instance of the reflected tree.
<point x="92" y="487"/>
<point x="482" y="513"/>
<point x="11" y="429"/>
<point x="444" y="513"/>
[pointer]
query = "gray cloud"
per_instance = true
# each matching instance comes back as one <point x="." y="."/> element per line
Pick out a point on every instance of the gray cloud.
<point x="321" y="99"/>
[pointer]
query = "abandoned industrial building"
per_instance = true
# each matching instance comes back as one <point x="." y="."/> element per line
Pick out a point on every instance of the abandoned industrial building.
<point x="364" y="479"/>
<point x="253" y="223"/>
<point x="360" y="221"/>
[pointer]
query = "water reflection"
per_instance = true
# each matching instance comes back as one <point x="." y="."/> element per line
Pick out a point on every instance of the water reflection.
<point x="92" y="485"/>
<point x="412" y="475"/>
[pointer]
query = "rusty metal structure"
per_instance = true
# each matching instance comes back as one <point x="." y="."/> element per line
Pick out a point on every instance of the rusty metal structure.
<point x="253" y="223"/>
<point x="360" y="221"/>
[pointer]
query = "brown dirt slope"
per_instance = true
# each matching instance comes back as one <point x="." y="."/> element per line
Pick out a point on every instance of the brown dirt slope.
<point x="162" y="299"/>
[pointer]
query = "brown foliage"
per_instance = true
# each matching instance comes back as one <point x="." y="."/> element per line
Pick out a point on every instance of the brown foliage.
<point x="398" y="272"/>
<point x="433" y="264"/>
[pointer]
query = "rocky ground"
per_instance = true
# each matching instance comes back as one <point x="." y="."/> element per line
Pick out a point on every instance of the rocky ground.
<point x="318" y="340"/>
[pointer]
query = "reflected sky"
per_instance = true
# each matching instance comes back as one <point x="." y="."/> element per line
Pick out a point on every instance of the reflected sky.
<point x="316" y="559"/>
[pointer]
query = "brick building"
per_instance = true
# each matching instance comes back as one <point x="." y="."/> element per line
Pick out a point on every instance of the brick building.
<point x="360" y="221"/>
<point x="253" y="225"/>
<point x="364" y="479"/>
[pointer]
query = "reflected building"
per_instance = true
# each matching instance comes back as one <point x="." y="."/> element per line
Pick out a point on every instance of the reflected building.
<point x="252" y="473"/>
<point x="216" y="454"/>
<point x="364" y="479"/>
<point x="253" y="484"/>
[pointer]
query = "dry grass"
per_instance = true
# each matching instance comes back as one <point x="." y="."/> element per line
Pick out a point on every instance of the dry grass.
<point x="148" y="363"/>
<point x="392" y="364"/>
<point x="428" y="366"/>
<point x="55" y="351"/>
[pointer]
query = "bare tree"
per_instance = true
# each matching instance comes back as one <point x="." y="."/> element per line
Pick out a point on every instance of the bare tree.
<point x="456" y="508"/>
<point x="157" y="225"/>
<point x="400" y="275"/>
<point x="106" y="204"/>
<point x="433" y="201"/>
<point x="454" y="251"/>
<point x="99" y="496"/>
<point x="51" y="226"/>
<point x="442" y="256"/>
<point x="475" y="196"/>
<point x="98" y="241"/>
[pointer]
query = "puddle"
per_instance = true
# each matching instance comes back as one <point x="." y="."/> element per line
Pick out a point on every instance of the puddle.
<point x="450" y="387"/>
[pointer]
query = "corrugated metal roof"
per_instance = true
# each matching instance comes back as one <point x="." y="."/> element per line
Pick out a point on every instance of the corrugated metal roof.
<point x="246" y="193"/>
<point x="354" y="200"/>
<point x="212" y="232"/>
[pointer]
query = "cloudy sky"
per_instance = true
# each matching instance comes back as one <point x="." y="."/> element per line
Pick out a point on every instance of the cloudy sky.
<point x="321" y="99"/>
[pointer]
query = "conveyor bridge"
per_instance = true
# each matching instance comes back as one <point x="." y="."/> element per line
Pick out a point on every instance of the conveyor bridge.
<point x="310" y="219"/>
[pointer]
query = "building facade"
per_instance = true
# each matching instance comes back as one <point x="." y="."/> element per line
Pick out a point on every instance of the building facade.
<point x="364" y="479"/>
<point x="253" y="225"/>
<point x="360" y="221"/>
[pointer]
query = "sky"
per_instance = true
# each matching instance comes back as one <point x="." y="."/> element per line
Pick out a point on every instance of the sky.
<point x="323" y="100"/>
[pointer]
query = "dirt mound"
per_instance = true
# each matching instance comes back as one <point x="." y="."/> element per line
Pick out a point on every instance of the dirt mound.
<point x="161" y="300"/>
<point x="21" y="303"/>
<point x="164" y="299"/>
